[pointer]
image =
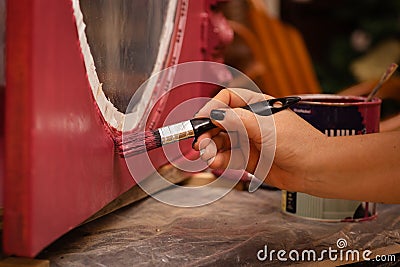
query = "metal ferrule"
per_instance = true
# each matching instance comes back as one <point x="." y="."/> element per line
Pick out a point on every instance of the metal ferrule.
<point x="176" y="132"/>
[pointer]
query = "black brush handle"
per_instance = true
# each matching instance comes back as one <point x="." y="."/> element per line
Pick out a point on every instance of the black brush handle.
<point x="272" y="106"/>
<point x="263" y="108"/>
<point x="201" y="125"/>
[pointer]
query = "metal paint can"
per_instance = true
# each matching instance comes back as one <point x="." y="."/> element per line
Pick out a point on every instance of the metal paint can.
<point x="334" y="115"/>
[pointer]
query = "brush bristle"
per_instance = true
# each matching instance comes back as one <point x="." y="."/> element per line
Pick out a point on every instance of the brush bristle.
<point x="137" y="143"/>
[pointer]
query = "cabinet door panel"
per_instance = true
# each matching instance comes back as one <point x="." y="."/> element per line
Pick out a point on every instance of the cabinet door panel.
<point x="61" y="165"/>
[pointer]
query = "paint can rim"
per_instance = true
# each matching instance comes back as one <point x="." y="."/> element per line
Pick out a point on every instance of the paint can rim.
<point x="322" y="99"/>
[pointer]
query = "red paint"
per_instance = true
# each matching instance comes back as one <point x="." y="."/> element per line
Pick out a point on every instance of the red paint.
<point x="61" y="163"/>
<point x="138" y="143"/>
<point x="2" y="116"/>
<point x="333" y="104"/>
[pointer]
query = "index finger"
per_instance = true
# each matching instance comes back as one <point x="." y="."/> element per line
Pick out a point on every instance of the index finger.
<point x="231" y="97"/>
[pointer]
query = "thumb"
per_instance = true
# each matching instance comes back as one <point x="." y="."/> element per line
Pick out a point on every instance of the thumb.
<point x="238" y="119"/>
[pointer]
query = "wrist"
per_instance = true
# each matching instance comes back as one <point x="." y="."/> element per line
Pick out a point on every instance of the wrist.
<point x="315" y="172"/>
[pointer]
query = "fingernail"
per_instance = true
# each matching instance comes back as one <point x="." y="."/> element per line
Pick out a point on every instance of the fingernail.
<point x="194" y="142"/>
<point x="217" y="114"/>
<point x="202" y="151"/>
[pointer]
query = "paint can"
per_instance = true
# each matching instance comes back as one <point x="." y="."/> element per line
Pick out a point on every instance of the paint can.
<point x="334" y="115"/>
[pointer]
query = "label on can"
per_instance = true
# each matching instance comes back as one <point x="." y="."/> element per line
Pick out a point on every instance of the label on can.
<point x="291" y="202"/>
<point x="334" y="116"/>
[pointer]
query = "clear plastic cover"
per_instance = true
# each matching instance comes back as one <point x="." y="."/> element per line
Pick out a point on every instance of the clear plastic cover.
<point x="229" y="232"/>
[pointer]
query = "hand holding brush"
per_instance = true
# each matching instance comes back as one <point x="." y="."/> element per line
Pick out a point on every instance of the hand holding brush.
<point x="137" y="143"/>
<point x="292" y="155"/>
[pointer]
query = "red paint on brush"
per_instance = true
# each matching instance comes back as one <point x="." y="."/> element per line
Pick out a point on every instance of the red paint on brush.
<point x="139" y="143"/>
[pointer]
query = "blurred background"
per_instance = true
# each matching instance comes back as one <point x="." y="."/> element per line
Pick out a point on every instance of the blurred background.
<point x="336" y="44"/>
<point x="338" y="34"/>
<point x="341" y="34"/>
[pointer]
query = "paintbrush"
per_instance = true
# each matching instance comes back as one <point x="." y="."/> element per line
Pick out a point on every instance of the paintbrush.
<point x="137" y="143"/>
<point x="385" y="76"/>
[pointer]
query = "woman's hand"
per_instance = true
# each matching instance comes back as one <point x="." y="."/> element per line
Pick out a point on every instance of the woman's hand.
<point x="287" y="152"/>
<point x="275" y="148"/>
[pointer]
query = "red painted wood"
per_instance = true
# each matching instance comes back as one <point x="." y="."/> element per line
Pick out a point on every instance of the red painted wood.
<point x="59" y="156"/>
<point x="60" y="161"/>
<point x="2" y="116"/>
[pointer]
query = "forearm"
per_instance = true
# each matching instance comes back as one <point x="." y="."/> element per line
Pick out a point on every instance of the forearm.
<point x="357" y="167"/>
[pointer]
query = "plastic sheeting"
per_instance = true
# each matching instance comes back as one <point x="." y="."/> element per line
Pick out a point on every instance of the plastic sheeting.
<point x="228" y="232"/>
